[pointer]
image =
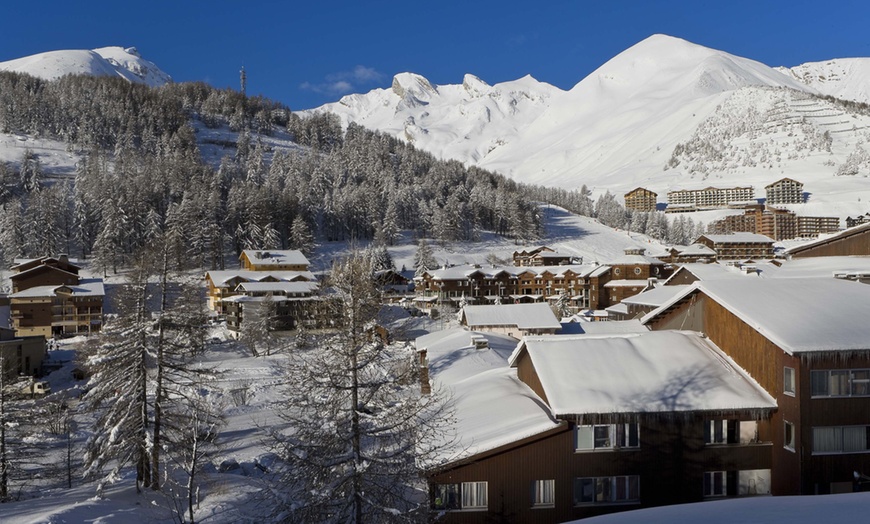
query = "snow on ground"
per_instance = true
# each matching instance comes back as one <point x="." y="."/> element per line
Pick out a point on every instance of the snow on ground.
<point x="850" y="507"/>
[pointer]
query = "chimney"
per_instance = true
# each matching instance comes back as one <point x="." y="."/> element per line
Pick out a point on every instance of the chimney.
<point x="425" y="386"/>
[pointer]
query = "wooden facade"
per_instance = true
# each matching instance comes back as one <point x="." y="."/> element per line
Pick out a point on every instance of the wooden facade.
<point x="669" y="463"/>
<point x="851" y="242"/>
<point x="738" y="246"/>
<point x="22" y="356"/>
<point x="795" y="467"/>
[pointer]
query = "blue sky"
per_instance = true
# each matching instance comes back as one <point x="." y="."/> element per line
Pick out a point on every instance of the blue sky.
<point x="306" y="54"/>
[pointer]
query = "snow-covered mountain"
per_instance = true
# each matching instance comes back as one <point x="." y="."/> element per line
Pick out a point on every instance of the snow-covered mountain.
<point x="105" y="61"/>
<point x="663" y="114"/>
<point x="845" y="78"/>
<point x="463" y="121"/>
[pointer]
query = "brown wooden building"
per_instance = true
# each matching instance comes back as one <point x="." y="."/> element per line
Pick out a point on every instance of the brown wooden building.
<point x="22" y="356"/>
<point x="50" y="299"/>
<point x="851" y="242"/>
<point x="540" y="256"/>
<point x="617" y="440"/>
<point x="641" y="199"/>
<point x="223" y="284"/>
<point x="738" y="246"/>
<point x="273" y="260"/>
<point x="807" y="343"/>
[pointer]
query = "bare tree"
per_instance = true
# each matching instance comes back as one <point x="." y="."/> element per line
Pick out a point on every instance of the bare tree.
<point x="357" y="426"/>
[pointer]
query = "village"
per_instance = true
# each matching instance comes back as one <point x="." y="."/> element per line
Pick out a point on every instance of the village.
<point x="715" y="370"/>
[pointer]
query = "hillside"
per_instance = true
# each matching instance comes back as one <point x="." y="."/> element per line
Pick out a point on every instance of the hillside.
<point x="106" y="61"/>
<point x="664" y="114"/>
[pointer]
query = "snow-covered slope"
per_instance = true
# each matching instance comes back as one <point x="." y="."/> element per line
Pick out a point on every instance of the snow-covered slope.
<point x="463" y="121"/>
<point x="845" y="78"/>
<point x="106" y="61"/>
<point x="664" y="114"/>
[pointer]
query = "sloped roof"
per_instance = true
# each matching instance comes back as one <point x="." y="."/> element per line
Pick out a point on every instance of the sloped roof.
<point x="612" y="327"/>
<point x="465" y="271"/>
<point x="738" y="237"/>
<point x="86" y="287"/>
<point x="222" y="278"/>
<point x="524" y="316"/>
<point x="654" y="372"/>
<point x="846" y="233"/>
<point x="274" y="257"/>
<point x="278" y="287"/>
<point x="491" y="406"/>
<point x="635" y="260"/>
<point x="799" y="315"/>
<point x="656" y="296"/>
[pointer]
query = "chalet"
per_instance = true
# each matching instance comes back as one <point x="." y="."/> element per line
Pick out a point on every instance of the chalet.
<point x="50" y="299"/>
<point x="514" y="320"/>
<point x="393" y="284"/>
<point x="540" y="256"/>
<point x="21" y="356"/>
<point x="43" y="271"/>
<point x="480" y="284"/>
<point x="629" y="275"/>
<point x="224" y="284"/>
<point x="858" y="220"/>
<point x="807" y="343"/>
<point x="636" y="306"/>
<point x="287" y="304"/>
<point x="850" y="242"/>
<point x="584" y="425"/>
<point x="273" y="260"/>
<point x="640" y="199"/>
<point x="688" y="254"/>
<point x="738" y="246"/>
<point x="59" y="310"/>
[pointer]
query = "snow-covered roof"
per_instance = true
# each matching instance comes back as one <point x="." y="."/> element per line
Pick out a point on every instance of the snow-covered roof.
<point x="613" y="327"/>
<point x="655" y="297"/>
<point x="223" y="277"/>
<point x="278" y="287"/>
<point x="654" y="372"/>
<point x="490" y="271"/>
<point x="695" y="250"/>
<point x="627" y="283"/>
<point x="92" y="287"/>
<point x="524" y="316"/>
<point x="620" y="309"/>
<point x="860" y="228"/>
<point x="739" y="237"/>
<point x="270" y="257"/>
<point x="636" y="260"/>
<point x="799" y="315"/>
<point x="491" y="406"/>
<point x="715" y="271"/>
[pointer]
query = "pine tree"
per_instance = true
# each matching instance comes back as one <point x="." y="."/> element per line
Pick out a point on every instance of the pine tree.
<point x="301" y="237"/>
<point x="424" y="260"/>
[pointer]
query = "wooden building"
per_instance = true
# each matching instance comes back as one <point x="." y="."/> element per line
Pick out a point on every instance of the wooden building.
<point x="784" y="191"/>
<point x="811" y="354"/>
<point x="577" y="432"/>
<point x="513" y="320"/>
<point x="540" y="256"/>
<point x="641" y="199"/>
<point x="49" y="299"/>
<point x="287" y="305"/>
<point x="738" y="246"/>
<point x="850" y="242"/>
<point x="22" y="356"/>
<point x="224" y="284"/>
<point x="273" y="260"/>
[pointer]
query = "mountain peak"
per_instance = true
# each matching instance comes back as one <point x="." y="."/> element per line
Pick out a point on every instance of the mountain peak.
<point x="105" y="61"/>
<point x="412" y="85"/>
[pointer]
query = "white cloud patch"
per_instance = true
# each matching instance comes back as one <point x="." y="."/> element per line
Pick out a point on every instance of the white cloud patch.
<point x="344" y="82"/>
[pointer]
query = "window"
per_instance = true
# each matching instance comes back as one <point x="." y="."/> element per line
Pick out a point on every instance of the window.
<point x="840" y="383"/>
<point x="730" y="431"/>
<point x="715" y="484"/>
<point x="841" y="439"/>
<point x="467" y="495"/>
<point x="788" y="436"/>
<point x="607" y="490"/>
<point x="616" y="271"/>
<point x="788" y="386"/>
<point x="608" y="436"/>
<point x="543" y="493"/>
<point x="637" y="271"/>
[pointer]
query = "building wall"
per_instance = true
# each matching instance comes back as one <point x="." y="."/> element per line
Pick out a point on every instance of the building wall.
<point x="47" y="276"/>
<point x="23" y="356"/>
<point x="670" y="462"/>
<point x="857" y="244"/>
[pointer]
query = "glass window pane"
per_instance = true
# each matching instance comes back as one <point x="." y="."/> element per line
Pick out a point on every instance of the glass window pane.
<point x="854" y="439"/>
<point x="584" y="490"/>
<point x="621" y="489"/>
<point x="602" y="437"/>
<point x="819" y="383"/>
<point x="839" y="383"/>
<point x="861" y="382"/>
<point x="603" y="489"/>
<point x="585" y="437"/>
<point x="634" y="487"/>
<point x="633" y="437"/>
<point x="827" y="439"/>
